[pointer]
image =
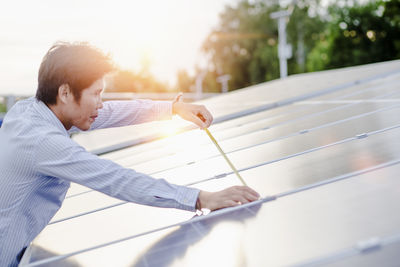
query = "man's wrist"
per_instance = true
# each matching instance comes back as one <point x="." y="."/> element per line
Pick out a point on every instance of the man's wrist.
<point x="198" y="205"/>
<point x="203" y="200"/>
<point x="175" y="106"/>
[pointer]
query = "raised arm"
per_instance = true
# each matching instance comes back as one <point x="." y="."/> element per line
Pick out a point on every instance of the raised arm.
<point x="123" y="113"/>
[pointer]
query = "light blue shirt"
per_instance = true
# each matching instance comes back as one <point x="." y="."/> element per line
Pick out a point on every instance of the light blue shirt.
<point x="38" y="160"/>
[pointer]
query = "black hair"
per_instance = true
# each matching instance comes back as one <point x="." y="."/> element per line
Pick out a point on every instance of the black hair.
<point x="76" y="64"/>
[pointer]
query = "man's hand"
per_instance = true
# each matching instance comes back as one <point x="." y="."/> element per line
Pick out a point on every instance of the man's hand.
<point x="198" y="114"/>
<point x="230" y="197"/>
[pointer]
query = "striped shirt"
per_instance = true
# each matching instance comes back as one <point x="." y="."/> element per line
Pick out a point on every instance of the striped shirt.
<point x="38" y="160"/>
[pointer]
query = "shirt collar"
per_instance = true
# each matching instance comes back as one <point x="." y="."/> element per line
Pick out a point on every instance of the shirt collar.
<point x="48" y="115"/>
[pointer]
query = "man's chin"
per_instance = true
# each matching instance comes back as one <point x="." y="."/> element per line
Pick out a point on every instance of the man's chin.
<point x="83" y="127"/>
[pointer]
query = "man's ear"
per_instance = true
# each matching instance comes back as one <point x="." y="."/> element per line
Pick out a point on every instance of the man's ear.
<point x="64" y="92"/>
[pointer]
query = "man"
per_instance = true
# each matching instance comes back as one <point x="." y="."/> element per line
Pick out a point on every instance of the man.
<point x="38" y="160"/>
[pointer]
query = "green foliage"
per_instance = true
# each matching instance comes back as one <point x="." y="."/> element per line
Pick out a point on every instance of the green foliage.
<point x="304" y="30"/>
<point x="210" y="84"/>
<point x="184" y="81"/>
<point x="318" y="57"/>
<point x="128" y="81"/>
<point x="245" y="45"/>
<point x="2" y="108"/>
<point x="359" y="34"/>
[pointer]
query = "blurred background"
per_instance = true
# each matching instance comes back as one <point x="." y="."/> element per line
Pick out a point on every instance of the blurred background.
<point x="201" y="48"/>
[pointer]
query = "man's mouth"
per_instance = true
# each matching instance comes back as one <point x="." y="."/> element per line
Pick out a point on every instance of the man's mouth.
<point x="93" y="118"/>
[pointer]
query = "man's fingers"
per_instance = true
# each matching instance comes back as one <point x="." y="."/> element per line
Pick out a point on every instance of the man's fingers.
<point x="252" y="193"/>
<point x="230" y="203"/>
<point x="205" y="118"/>
<point x="244" y="194"/>
<point x="248" y="191"/>
<point x="198" y="114"/>
<point x="229" y="197"/>
<point x="206" y="115"/>
<point x="178" y="97"/>
<point x="196" y="120"/>
<point x="247" y="196"/>
<point x="250" y="197"/>
<point x="243" y="200"/>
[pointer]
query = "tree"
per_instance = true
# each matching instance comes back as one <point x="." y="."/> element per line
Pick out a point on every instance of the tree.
<point x="128" y="81"/>
<point x="245" y="43"/>
<point x="304" y="29"/>
<point x="184" y="82"/>
<point x="3" y="108"/>
<point x="359" y="34"/>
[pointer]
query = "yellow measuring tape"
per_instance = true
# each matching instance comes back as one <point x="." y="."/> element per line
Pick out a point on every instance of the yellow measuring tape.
<point x="225" y="157"/>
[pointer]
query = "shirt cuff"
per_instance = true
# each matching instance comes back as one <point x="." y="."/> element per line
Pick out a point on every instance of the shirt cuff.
<point x="187" y="198"/>
<point x="163" y="110"/>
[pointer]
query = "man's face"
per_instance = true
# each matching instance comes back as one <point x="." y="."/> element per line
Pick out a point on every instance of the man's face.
<point x="82" y="115"/>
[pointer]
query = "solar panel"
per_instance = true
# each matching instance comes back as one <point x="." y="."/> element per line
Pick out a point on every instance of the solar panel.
<point x="324" y="155"/>
<point x="278" y="226"/>
<point x="266" y="123"/>
<point x="373" y="252"/>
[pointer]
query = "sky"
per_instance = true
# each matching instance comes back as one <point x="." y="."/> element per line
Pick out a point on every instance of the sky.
<point x="167" y="34"/>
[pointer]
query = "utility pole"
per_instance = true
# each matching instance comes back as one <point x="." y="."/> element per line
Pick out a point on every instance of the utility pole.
<point x="284" y="50"/>
<point x="199" y="84"/>
<point x="223" y="80"/>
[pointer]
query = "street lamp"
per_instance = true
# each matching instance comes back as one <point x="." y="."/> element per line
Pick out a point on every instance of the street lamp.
<point x="284" y="49"/>
<point x="223" y="80"/>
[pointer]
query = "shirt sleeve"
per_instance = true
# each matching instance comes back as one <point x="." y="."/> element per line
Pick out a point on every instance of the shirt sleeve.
<point x="124" y="113"/>
<point x="59" y="156"/>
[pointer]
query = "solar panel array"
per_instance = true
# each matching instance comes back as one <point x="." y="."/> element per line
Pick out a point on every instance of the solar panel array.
<point x="325" y="159"/>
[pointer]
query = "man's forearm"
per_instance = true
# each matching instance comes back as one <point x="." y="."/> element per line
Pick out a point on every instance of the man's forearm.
<point x="124" y="113"/>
